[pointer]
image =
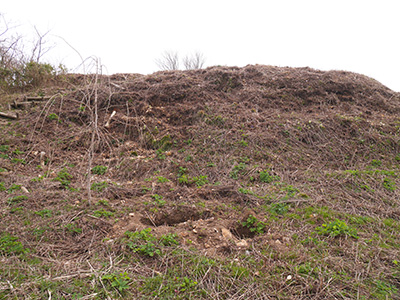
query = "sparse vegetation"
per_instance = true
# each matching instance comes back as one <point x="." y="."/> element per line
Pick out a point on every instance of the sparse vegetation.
<point x="222" y="183"/>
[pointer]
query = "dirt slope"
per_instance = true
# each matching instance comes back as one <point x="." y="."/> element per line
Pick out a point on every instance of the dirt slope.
<point x="247" y="166"/>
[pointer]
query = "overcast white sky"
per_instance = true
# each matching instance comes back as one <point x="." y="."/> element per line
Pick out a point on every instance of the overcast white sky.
<point x="128" y="35"/>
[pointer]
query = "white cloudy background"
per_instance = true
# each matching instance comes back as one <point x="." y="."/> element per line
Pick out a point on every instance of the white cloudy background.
<point x="352" y="35"/>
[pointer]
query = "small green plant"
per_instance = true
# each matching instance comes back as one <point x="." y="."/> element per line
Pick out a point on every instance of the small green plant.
<point x="17" y="152"/>
<point x="73" y="228"/>
<point x="268" y="178"/>
<point x="243" y="143"/>
<point x="237" y="170"/>
<point x="162" y="179"/>
<point x="64" y="178"/>
<point x="53" y="117"/>
<point x="18" y="161"/>
<point x="279" y="208"/>
<point x="99" y="170"/>
<point x="103" y="213"/>
<point x="184" y="179"/>
<point x="254" y="224"/>
<point x="169" y="239"/>
<point x="103" y="202"/>
<point x="336" y="228"/>
<point x="211" y="164"/>
<point x="99" y="186"/>
<point x="13" y="188"/>
<point x="2" y="186"/>
<point x="9" y="245"/>
<point x="119" y="281"/>
<point x="200" y="180"/>
<point x="158" y="199"/>
<point x="246" y="191"/>
<point x="4" y="148"/>
<point x="142" y="242"/>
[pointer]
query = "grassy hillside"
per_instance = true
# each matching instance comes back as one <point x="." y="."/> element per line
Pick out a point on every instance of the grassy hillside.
<point x="225" y="183"/>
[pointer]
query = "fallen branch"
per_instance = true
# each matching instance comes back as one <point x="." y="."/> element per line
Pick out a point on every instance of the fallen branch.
<point x="16" y="104"/>
<point x="29" y="98"/>
<point x="9" y="116"/>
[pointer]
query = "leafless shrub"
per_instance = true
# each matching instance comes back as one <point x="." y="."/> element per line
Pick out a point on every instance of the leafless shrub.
<point x="194" y="62"/>
<point x="170" y="61"/>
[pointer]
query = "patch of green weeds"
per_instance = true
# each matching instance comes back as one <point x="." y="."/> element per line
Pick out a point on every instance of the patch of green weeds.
<point x="64" y="178"/>
<point x="16" y="199"/>
<point x="18" y="161"/>
<point x="336" y="228"/>
<point x="18" y="152"/>
<point x="268" y="178"/>
<point x="99" y="170"/>
<point x="200" y="180"/>
<point x="37" y="179"/>
<point x="14" y="187"/>
<point x="183" y="178"/>
<point x="53" y="117"/>
<point x="384" y="289"/>
<point x="254" y="224"/>
<point x="103" y="202"/>
<point x="238" y="170"/>
<point x="171" y="287"/>
<point x="73" y="228"/>
<point x="158" y="199"/>
<point x="169" y="239"/>
<point x="162" y="179"/>
<point x="9" y="245"/>
<point x="246" y="192"/>
<point x="376" y="163"/>
<point x="243" y="143"/>
<point x="4" y="148"/>
<point x="118" y="281"/>
<point x="103" y="213"/>
<point x="2" y="186"/>
<point x="44" y="213"/>
<point x="279" y="208"/>
<point x="389" y="184"/>
<point x="99" y="186"/>
<point x="142" y="242"/>
<point x="145" y="243"/>
<point x="211" y="164"/>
